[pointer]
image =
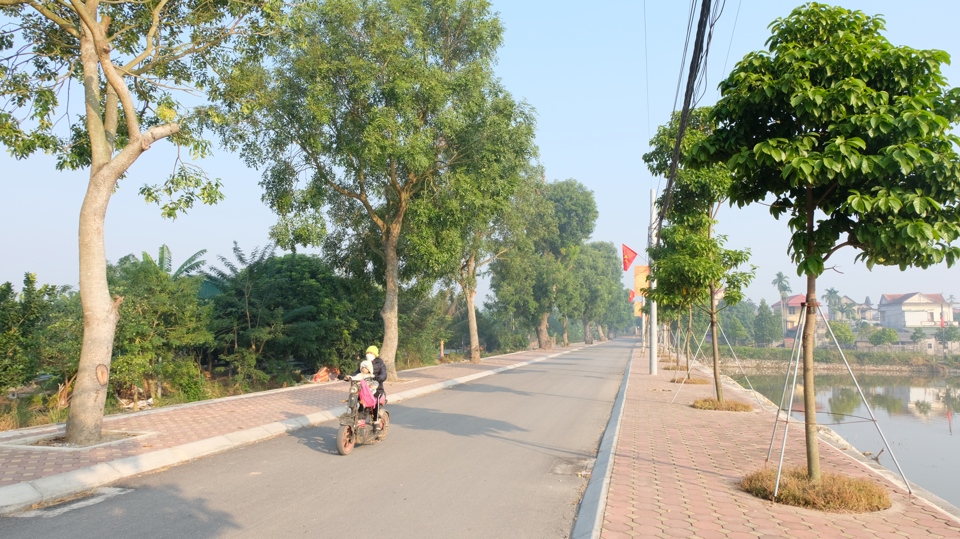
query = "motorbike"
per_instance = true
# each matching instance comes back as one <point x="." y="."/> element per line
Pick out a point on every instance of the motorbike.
<point x="356" y="424"/>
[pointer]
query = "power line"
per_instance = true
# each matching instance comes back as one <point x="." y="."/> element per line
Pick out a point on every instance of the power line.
<point x="646" y="65"/>
<point x="696" y="59"/>
<point x="734" y="31"/>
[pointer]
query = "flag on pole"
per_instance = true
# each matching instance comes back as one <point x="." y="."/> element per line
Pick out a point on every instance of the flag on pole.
<point x="632" y="295"/>
<point x="629" y="255"/>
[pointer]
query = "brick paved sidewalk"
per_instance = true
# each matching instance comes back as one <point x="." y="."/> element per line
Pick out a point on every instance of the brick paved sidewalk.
<point x="177" y="433"/>
<point x="675" y="471"/>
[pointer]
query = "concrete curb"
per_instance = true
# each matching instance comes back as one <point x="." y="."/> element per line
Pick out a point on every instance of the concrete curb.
<point x="589" y="520"/>
<point x="23" y="495"/>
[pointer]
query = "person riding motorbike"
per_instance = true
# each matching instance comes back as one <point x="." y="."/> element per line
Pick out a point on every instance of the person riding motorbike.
<point x="378" y="369"/>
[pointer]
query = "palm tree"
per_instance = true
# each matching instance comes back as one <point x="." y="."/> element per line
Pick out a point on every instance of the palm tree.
<point x="783" y="286"/>
<point x="832" y="297"/>
<point x="847" y="311"/>
<point x="165" y="262"/>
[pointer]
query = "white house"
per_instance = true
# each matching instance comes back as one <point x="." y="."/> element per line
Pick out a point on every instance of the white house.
<point x="914" y="310"/>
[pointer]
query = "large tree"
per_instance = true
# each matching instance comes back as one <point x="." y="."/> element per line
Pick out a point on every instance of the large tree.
<point x="127" y="56"/>
<point x="849" y="137"/>
<point x="528" y="279"/>
<point x="597" y="273"/>
<point x="366" y="108"/>
<point x="466" y="224"/>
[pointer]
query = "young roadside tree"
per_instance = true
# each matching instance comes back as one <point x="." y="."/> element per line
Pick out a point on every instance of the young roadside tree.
<point x="692" y="267"/>
<point x="367" y="107"/>
<point x="126" y="56"/>
<point x="850" y="137"/>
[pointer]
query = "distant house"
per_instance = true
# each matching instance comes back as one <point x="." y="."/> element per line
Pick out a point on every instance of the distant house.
<point x="914" y="310"/>
<point x="867" y="311"/>
<point x="791" y="310"/>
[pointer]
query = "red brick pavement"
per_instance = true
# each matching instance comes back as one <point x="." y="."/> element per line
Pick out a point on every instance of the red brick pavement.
<point x="675" y="471"/>
<point x="178" y="425"/>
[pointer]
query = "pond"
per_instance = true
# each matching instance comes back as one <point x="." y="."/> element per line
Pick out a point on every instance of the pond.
<point x="916" y="414"/>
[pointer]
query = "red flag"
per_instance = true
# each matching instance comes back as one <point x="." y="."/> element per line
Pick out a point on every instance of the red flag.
<point x="632" y="295"/>
<point x="629" y="255"/>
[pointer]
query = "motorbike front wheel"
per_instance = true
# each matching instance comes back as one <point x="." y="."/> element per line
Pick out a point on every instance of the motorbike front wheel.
<point x="346" y="439"/>
<point x="384" y="424"/>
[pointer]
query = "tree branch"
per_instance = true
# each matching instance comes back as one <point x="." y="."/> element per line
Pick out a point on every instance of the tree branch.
<point x="102" y="47"/>
<point x="67" y="26"/>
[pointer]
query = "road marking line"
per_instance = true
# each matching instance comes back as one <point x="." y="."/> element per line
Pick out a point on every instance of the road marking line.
<point x="101" y="494"/>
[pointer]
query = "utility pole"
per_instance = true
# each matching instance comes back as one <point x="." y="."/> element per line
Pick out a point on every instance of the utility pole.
<point x="651" y="242"/>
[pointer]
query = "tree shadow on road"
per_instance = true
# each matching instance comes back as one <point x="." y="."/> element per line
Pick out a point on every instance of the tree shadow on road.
<point x="181" y="515"/>
<point x="475" y="387"/>
<point x="451" y="423"/>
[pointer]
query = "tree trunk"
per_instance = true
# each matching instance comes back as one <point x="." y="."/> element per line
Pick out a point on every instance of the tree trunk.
<point x="676" y="341"/>
<point x="543" y="333"/>
<point x="809" y="335"/>
<point x="809" y="392"/>
<point x="391" y="300"/>
<point x="587" y="336"/>
<point x="566" y="340"/>
<point x="687" y="340"/>
<point x="716" y="345"/>
<point x="471" y="296"/>
<point x="441" y="349"/>
<point x="603" y="336"/>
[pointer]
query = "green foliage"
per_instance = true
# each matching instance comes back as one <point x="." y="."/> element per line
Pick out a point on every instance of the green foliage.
<point x="274" y="315"/>
<point x="187" y="39"/>
<point x="61" y="336"/>
<point x="861" y="138"/>
<point x="918" y="335"/>
<point x="22" y="317"/>
<point x="689" y="261"/>
<point x="766" y="327"/>
<point x="734" y="318"/>
<point x="843" y="333"/>
<point x="161" y="321"/>
<point x="423" y="324"/>
<point x="536" y="275"/>
<point x="884" y="336"/>
<point x="947" y="334"/>
<point x="596" y="286"/>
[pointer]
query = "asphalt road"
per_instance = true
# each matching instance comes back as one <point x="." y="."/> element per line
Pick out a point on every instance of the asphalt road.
<point x="502" y="456"/>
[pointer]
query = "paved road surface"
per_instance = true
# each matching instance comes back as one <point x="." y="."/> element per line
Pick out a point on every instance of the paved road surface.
<point x="498" y="457"/>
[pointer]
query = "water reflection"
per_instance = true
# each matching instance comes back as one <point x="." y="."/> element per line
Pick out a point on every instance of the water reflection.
<point x="915" y="413"/>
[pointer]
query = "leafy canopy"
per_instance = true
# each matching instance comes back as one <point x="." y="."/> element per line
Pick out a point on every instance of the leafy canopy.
<point x="843" y="128"/>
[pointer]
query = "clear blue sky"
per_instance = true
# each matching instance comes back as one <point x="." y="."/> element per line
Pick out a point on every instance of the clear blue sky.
<point x="601" y="75"/>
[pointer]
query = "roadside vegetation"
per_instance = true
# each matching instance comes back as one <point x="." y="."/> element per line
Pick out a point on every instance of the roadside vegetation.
<point x="724" y="406"/>
<point x="833" y="493"/>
